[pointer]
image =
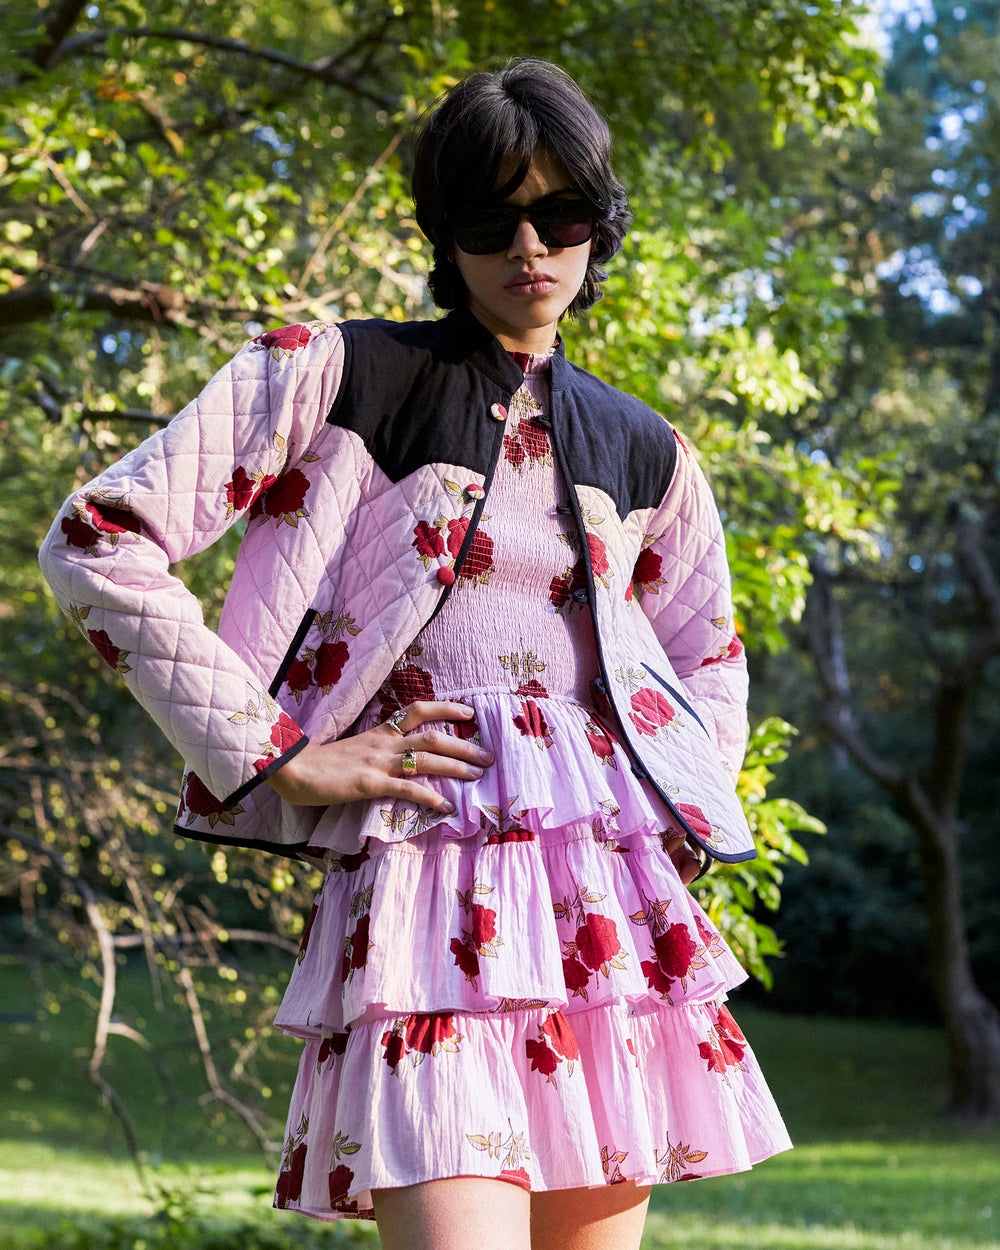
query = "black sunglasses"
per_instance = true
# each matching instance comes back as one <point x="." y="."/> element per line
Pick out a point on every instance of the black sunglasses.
<point x="558" y="223"/>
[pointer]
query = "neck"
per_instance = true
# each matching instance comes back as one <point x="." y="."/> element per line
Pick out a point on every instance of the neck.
<point x="533" y="340"/>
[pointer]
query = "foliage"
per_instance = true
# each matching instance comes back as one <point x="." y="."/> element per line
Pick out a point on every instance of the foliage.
<point x="175" y="177"/>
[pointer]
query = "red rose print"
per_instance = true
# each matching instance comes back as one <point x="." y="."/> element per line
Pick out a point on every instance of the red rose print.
<point x="465" y="729"/>
<point x="285" y="497"/>
<point x="561" y="1034"/>
<point x="79" y="533"/>
<point x="576" y="976"/>
<point x="456" y="534"/>
<point x="350" y="863"/>
<point x="304" y="944"/>
<point x="340" y="1185"/>
<point x="289" y="1186"/>
<point x="285" y="733"/>
<point x="198" y="800"/>
<point x="598" y="556"/>
<point x="656" y="978"/>
<point x="597" y="940"/>
<point x="732" y="652"/>
<point x="429" y="540"/>
<point x="728" y="1025"/>
<point x="335" y="1044"/>
<point x="534" y="438"/>
<point x="424" y="1031"/>
<point x="533" y="724"/>
<point x="532" y="689"/>
<point x="509" y="835"/>
<point x="478" y="562"/>
<point x="513" y="450"/>
<point x="715" y="1059"/>
<point x="696" y="818"/>
<point x="395" y="1049"/>
<point x="107" y="650"/>
<point x="559" y="592"/>
<point x="707" y="935"/>
<point x="466" y="958"/>
<point x="601" y="742"/>
<point x="516" y="1176"/>
<point x="113" y="520"/>
<point x="406" y="685"/>
<point x="650" y="711"/>
<point x="542" y="1058"/>
<point x="299" y="676"/>
<point x="674" y="950"/>
<point x="359" y="943"/>
<point x="285" y="338"/>
<point x="484" y="925"/>
<point x="647" y="567"/>
<point x="330" y="660"/>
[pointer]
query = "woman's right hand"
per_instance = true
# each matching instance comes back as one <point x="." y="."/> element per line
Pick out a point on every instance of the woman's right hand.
<point x="369" y="765"/>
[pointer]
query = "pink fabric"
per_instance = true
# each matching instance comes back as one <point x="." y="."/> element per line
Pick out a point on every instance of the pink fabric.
<point x="524" y="990"/>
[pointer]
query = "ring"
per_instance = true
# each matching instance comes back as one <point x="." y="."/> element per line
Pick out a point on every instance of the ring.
<point x="395" y="721"/>
<point x="409" y="762"/>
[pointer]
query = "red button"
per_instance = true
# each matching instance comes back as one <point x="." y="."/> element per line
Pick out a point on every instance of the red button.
<point x="474" y="491"/>
<point x="446" y="576"/>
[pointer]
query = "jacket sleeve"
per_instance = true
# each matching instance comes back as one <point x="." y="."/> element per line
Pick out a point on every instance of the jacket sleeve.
<point x="683" y="577"/>
<point x="108" y="553"/>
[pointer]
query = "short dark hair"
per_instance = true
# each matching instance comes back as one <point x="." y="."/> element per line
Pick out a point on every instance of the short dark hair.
<point x="475" y="147"/>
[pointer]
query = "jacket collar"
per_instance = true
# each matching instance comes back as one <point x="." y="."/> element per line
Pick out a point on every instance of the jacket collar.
<point x="470" y="339"/>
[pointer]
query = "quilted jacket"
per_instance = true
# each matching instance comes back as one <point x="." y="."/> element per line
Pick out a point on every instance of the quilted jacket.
<point x="332" y="444"/>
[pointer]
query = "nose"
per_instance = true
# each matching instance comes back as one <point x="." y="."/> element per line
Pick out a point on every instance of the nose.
<point x="526" y="243"/>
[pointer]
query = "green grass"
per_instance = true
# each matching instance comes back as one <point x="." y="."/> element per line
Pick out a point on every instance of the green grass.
<point x="876" y="1167"/>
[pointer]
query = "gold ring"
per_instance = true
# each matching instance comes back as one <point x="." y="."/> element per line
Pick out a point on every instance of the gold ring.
<point x="409" y="762"/>
<point x="395" y="721"/>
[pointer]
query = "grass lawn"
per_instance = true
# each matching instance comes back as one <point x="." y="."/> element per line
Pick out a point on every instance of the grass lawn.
<point x="875" y="1166"/>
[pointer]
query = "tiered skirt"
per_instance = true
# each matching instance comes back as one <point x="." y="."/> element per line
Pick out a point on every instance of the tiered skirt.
<point x="524" y="992"/>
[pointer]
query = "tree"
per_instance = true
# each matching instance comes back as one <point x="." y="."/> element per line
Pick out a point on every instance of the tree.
<point x="175" y="177"/>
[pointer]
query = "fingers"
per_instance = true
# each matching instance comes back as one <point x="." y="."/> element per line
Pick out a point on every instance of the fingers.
<point x="416" y="714"/>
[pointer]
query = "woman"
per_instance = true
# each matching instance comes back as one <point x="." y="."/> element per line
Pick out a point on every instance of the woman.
<point x="478" y="661"/>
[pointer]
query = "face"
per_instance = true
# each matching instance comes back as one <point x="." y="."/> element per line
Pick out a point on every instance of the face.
<point x="520" y="293"/>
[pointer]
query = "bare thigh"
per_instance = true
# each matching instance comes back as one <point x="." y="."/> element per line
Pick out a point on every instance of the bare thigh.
<point x="454" y="1214"/>
<point x="611" y="1218"/>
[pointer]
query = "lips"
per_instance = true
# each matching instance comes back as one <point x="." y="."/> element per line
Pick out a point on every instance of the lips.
<point x="530" y="282"/>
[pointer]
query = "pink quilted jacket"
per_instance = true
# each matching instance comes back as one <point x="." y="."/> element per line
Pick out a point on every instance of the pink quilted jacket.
<point x="290" y="438"/>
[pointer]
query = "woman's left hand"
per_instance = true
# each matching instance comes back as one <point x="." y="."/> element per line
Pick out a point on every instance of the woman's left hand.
<point x="683" y="857"/>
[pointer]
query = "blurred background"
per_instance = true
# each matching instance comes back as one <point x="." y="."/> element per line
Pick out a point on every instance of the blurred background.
<point x="810" y="292"/>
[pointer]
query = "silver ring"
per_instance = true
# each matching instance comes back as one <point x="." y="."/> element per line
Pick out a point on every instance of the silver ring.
<point x="409" y="762"/>
<point x="395" y="721"/>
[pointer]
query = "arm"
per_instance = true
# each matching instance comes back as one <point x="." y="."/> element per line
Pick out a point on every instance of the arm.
<point x="109" y="551"/>
<point x="684" y="578"/>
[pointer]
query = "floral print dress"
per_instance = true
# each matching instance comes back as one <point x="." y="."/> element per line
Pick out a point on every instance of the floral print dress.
<point x="523" y="990"/>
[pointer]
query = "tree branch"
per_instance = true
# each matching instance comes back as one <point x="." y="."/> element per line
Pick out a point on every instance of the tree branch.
<point x="151" y="302"/>
<point x="53" y="32"/>
<point x="322" y="70"/>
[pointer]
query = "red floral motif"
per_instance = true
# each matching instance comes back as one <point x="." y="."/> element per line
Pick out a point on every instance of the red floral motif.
<point x="542" y="1058"/>
<point x="560" y="1032"/>
<point x="330" y="660"/>
<point x="350" y="863"/>
<point x="534" y="438"/>
<point x="356" y="949"/>
<point x="335" y="1044"/>
<point x="597" y="941"/>
<point x="601" y="742"/>
<point x="284" y="499"/>
<point x="289" y="1186"/>
<point x="466" y="730"/>
<point x="563" y="587"/>
<point x="340" y="1186"/>
<point x="79" y="533"/>
<point x="478" y="563"/>
<point x="674" y="951"/>
<point x="484" y="925"/>
<point x="533" y="724"/>
<point x="299" y="676"/>
<point x="466" y="958"/>
<point x="513" y="450"/>
<point x="425" y="1033"/>
<point x="696" y="818"/>
<point x="304" y="944"/>
<point x="429" y="541"/>
<point x="732" y="652"/>
<point x="647" y="567"/>
<point x="532" y="689"/>
<point x="112" y="520"/>
<point x="728" y="1025"/>
<point x="285" y="339"/>
<point x="576" y="977"/>
<point x="651" y="710"/>
<point x="406" y="685"/>
<point x="509" y="835"/>
<point x="245" y="489"/>
<point x="109" y="653"/>
<point x="598" y="555"/>
<point x="285" y="733"/>
<point x="199" y="801"/>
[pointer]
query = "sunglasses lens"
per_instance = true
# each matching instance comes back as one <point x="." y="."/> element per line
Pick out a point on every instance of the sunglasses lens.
<point x="480" y="232"/>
